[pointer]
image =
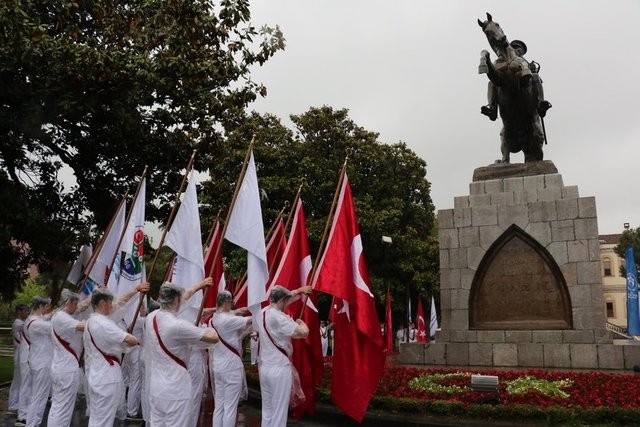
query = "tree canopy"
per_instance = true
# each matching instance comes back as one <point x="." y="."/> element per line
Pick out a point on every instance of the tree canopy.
<point x="629" y="237"/>
<point x="391" y="192"/>
<point x="97" y="89"/>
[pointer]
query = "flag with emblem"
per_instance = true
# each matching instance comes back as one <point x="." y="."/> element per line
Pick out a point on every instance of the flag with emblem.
<point x="127" y="271"/>
<point x="358" y="359"/>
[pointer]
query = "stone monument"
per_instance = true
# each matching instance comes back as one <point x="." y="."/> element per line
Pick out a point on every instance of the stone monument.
<point x="520" y="275"/>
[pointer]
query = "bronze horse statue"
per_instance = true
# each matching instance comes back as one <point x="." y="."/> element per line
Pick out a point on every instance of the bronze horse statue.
<point x="515" y="91"/>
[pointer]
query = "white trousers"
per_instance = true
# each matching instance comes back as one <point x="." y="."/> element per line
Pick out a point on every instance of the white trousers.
<point x="103" y="401"/>
<point x="132" y="360"/>
<point x="14" y="391"/>
<point x="169" y="413"/>
<point x="275" y="386"/>
<point x="64" y="387"/>
<point x="25" y="391"/>
<point x="229" y="386"/>
<point x="40" y="388"/>
<point x="197" y="374"/>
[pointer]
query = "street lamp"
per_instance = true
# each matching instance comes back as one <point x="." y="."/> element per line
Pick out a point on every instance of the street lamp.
<point x="625" y="225"/>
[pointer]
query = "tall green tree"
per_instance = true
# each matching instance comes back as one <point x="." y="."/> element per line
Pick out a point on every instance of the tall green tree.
<point x="96" y="89"/>
<point x="629" y="237"/>
<point x="389" y="184"/>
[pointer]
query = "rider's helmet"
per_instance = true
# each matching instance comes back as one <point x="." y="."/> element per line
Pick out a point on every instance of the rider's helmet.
<point x="519" y="44"/>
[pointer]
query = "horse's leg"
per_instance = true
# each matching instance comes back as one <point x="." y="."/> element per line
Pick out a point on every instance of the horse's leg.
<point x="504" y="147"/>
<point x="533" y="150"/>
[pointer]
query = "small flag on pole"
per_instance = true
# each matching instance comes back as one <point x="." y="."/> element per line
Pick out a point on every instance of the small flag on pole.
<point x="433" y="321"/>
<point x="633" y="316"/>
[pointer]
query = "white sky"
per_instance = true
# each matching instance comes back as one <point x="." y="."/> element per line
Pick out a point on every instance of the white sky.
<point x="408" y="70"/>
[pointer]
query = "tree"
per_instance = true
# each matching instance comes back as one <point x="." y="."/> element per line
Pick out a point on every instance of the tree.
<point x="388" y="181"/>
<point x="629" y="237"/>
<point x="97" y="89"/>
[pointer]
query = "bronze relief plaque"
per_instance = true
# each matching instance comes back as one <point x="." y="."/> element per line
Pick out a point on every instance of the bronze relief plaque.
<point x="519" y="285"/>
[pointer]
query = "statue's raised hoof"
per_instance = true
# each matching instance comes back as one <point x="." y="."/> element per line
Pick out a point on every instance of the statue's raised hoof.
<point x="490" y="111"/>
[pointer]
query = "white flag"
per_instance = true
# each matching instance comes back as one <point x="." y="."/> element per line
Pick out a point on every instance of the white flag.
<point x="185" y="238"/>
<point x="245" y="229"/>
<point x="75" y="274"/>
<point x="433" y="322"/>
<point x="108" y="248"/>
<point x="127" y="276"/>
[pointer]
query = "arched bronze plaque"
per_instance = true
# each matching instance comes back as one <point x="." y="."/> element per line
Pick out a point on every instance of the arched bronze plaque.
<point x="518" y="285"/>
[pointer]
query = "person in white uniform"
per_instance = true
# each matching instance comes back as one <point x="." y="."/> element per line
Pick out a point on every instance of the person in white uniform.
<point x="277" y="330"/>
<point x="197" y="360"/>
<point x="228" y="368"/>
<point x="67" y="352"/>
<point x="133" y="366"/>
<point x="168" y="340"/>
<point x="38" y="331"/>
<point x="22" y="311"/>
<point x="144" y="393"/>
<point x="324" y="338"/>
<point x="104" y="344"/>
<point x="38" y="304"/>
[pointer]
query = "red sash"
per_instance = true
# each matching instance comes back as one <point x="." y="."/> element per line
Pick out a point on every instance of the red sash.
<point x="109" y="358"/>
<point x="67" y="346"/>
<point x="164" y="348"/>
<point x="264" y="322"/>
<point x="24" y="335"/>
<point x="226" y="344"/>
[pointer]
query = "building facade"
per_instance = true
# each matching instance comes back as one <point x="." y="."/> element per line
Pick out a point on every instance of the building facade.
<point x="614" y="284"/>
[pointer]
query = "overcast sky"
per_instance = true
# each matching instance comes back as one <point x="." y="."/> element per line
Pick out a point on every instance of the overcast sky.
<point x="409" y="71"/>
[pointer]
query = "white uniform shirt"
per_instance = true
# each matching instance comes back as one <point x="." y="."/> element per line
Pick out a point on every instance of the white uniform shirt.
<point x="169" y="380"/>
<point x="231" y="328"/>
<point x="64" y="329"/>
<point x="39" y="333"/>
<point x="281" y="327"/>
<point x="109" y="339"/>
<point x="16" y="333"/>
<point x="25" y="341"/>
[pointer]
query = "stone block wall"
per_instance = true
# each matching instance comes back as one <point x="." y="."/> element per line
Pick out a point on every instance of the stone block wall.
<point x="566" y="225"/>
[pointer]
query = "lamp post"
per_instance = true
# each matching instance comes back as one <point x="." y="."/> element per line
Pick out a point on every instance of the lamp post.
<point x="386" y="240"/>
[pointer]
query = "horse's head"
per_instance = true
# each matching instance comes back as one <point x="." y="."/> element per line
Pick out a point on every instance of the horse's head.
<point x="495" y="35"/>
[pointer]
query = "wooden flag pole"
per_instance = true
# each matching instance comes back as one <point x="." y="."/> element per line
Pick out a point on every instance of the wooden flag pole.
<point x="226" y="222"/>
<point x="164" y="234"/>
<point x="94" y="255"/>
<point x="212" y="229"/>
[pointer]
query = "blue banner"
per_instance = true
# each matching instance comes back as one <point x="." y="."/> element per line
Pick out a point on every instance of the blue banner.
<point x="633" y="315"/>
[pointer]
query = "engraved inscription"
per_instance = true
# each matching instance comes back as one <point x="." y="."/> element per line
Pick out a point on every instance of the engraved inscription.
<point x="519" y="286"/>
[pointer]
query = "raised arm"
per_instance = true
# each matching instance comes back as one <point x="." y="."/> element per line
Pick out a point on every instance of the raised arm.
<point x="142" y="287"/>
<point x="195" y="288"/>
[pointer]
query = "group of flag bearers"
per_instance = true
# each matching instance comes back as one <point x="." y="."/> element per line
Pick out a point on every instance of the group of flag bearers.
<point x="179" y="340"/>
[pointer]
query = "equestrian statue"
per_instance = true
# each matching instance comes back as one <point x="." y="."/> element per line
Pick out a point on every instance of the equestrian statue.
<point x="515" y="92"/>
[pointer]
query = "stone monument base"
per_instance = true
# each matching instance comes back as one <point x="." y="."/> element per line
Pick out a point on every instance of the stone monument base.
<point x="520" y="277"/>
<point x="521" y="354"/>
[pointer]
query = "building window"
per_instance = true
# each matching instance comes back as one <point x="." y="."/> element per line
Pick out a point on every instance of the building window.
<point x="607" y="266"/>
<point x="610" y="311"/>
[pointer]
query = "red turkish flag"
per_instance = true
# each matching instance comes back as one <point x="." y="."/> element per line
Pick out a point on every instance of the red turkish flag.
<point x="422" y="328"/>
<point x="388" y="326"/>
<point x="275" y="250"/>
<point x="292" y="273"/>
<point x="214" y="268"/>
<point x="358" y="358"/>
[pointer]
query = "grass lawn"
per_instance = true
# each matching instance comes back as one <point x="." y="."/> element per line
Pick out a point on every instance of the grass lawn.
<point x="6" y="368"/>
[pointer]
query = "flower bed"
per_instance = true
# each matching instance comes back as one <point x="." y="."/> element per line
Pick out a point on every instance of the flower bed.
<point x="550" y="396"/>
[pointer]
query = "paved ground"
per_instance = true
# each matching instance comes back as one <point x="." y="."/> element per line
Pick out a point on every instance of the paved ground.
<point x="248" y="416"/>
